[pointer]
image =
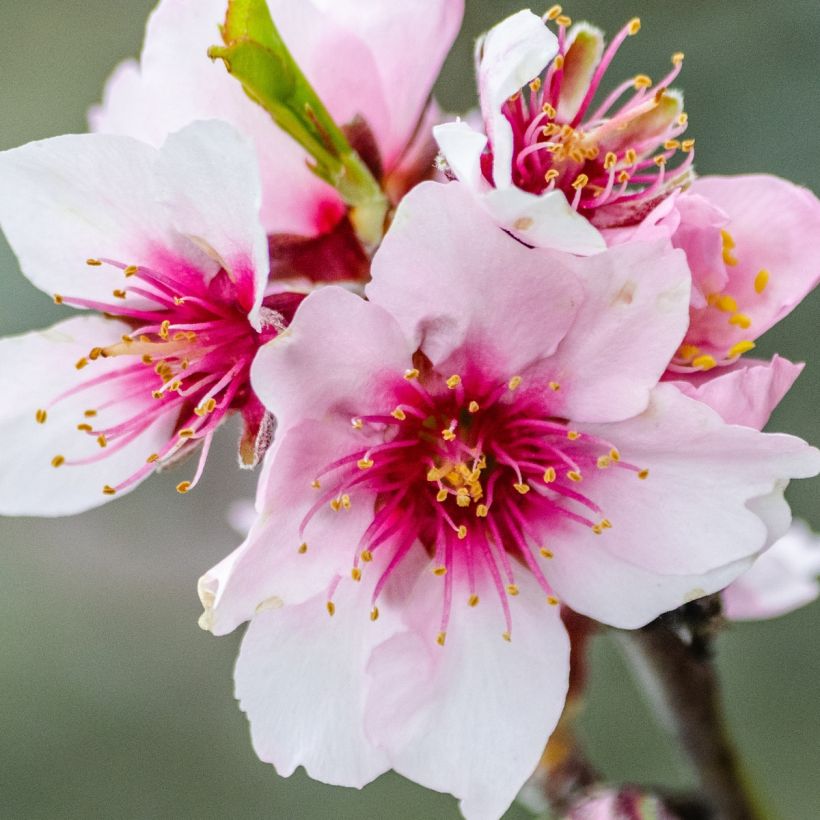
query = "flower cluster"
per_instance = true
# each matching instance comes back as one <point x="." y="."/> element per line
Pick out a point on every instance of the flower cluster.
<point x="530" y="396"/>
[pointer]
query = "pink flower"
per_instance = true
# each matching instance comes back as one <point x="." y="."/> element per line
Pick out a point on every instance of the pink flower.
<point x="552" y="167"/>
<point x="462" y="458"/>
<point x="165" y="247"/>
<point x="356" y="55"/>
<point x="781" y="580"/>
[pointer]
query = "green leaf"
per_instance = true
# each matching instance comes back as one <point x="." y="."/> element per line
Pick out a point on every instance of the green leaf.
<point x="255" y="54"/>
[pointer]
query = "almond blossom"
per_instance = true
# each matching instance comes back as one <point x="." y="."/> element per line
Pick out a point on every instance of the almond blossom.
<point x="461" y="460"/>
<point x="552" y="166"/>
<point x="356" y="57"/>
<point x="164" y="252"/>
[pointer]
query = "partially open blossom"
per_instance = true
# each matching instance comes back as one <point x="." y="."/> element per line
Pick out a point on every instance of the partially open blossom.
<point x="463" y="458"/>
<point x="356" y="54"/>
<point x="554" y="165"/>
<point x="781" y="580"/>
<point x="165" y="250"/>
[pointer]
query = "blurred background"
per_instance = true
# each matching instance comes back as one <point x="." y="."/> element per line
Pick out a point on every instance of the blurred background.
<point x="113" y="703"/>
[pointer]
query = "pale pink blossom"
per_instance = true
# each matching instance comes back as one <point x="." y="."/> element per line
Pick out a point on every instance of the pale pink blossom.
<point x="550" y="166"/>
<point x="781" y="580"/>
<point x="373" y="62"/>
<point x="464" y="456"/>
<point x="164" y="252"/>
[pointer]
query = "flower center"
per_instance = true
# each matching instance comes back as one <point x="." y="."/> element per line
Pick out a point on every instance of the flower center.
<point x="474" y="473"/>
<point x="186" y="359"/>
<point x="611" y="163"/>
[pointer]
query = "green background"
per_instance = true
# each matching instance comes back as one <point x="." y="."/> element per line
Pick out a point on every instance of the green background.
<point x="114" y="704"/>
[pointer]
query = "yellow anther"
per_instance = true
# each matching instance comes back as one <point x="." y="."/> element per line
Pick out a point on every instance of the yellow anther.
<point x="535" y="85"/>
<point x="761" y="280"/>
<point x="506" y="636"/>
<point x="554" y="386"/>
<point x="442" y="494"/>
<point x="741" y="320"/>
<point x="130" y="270"/>
<point x="603" y="462"/>
<point x="102" y="441"/>
<point x="558" y="62"/>
<point x="549" y="110"/>
<point x="186" y="432"/>
<point x="448" y="434"/>
<point x="345" y="501"/>
<point x="461" y="532"/>
<point x="514" y="383"/>
<point x="725" y="303"/>
<point x="58" y="300"/>
<point x="643" y="474"/>
<point x="522" y="488"/>
<point x="183" y="487"/>
<point x="336" y="505"/>
<point x="614" y="455"/>
<point x="413" y="373"/>
<point x="303" y="548"/>
<point x="705" y="362"/>
<point x="164" y="328"/>
<point x="551" y="175"/>
<point x="157" y="394"/>
<point x="93" y="262"/>
<point x="597" y="529"/>
<point x="441" y="638"/>
<point x="687" y="145"/>
<point x="109" y="490"/>
<point x="606" y="523"/>
<point x="552" y="600"/>
<point x="95" y="353"/>
<point x="550" y="475"/>
<point x="356" y="574"/>
<point x="331" y="608"/>
<point x="573" y="435"/>
<point x="463" y="499"/>
<point x="454" y="381"/>
<point x="357" y="424"/>
<point x="677" y="58"/>
<point x="581" y="181"/>
<point x="366" y="556"/>
<point x="473" y="407"/>
<point x="642" y="81"/>
<point x="365" y="463"/>
<point x="610" y="160"/>
<point x="440" y="571"/>
<point x="672" y="145"/>
<point x="623" y="176"/>
<point x="473" y="600"/>
<point x="81" y="363"/>
<point x="683" y="118"/>
<point x="563" y="20"/>
<point x="546" y="553"/>
<point x="631" y="156"/>
<point x="659" y="160"/>
<point x="118" y="294"/>
<point x="688" y="352"/>
<point x="374" y="613"/>
<point x="152" y="458"/>
<point x="89" y="414"/>
<point x="740" y="348"/>
<point x="85" y="428"/>
<point x="481" y="511"/>
<point x="315" y="484"/>
<point x="41" y="416"/>
<point x="57" y="461"/>
<point x="512" y="589"/>
<point x="146" y="359"/>
<point x="634" y="26"/>
<point x="574" y="475"/>
<point x="399" y="414"/>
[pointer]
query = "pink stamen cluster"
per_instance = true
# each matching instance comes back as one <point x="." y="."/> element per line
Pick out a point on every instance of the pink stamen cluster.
<point x="188" y="359"/>
<point x="473" y="472"/>
<point x="612" y="156"/>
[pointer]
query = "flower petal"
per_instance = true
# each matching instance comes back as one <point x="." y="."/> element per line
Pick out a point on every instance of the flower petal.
<point x="34" y="369"/>
<point x="438" y="271"/>
<point x="470" y="717"/>
<point x="585" y="46"/>
<point x="744" y="393"/>
<point x="462" y="147"/>
<point x="299" y="375"/>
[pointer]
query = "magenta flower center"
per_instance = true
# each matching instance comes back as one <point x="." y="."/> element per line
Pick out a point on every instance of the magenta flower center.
<point x="613" y="155"/>
<point x="186" y="359"/>
<point x="473" y="471"/>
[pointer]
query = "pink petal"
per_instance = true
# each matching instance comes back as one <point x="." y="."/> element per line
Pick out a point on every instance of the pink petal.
<point x="328" y="361"/>
<point x="713" y="495"/>
<point x="744" y="393"/>
<point x="470" y="717"/>
<point x="438" y="272"/>
<point x="781" y="580"/>
<point x="35" y="368"/>
<point x="300" y="678"/>
<point x="628" y="327"/>
<point x="269" y="565"/>
<point x="511" y="54"/>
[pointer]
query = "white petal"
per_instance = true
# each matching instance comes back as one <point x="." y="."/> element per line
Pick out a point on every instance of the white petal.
<point x="462" y="147"/>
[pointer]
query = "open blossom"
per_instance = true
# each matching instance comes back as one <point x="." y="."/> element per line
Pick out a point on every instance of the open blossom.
<point x="357" y="56"/>
<point x="464" y="457"/>
<point x="165" y="252"/>
<point x="781" y="580"/>
<point x="553" y="165"/>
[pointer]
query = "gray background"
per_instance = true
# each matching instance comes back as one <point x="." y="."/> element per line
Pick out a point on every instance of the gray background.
<point x="114" y="704"/>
